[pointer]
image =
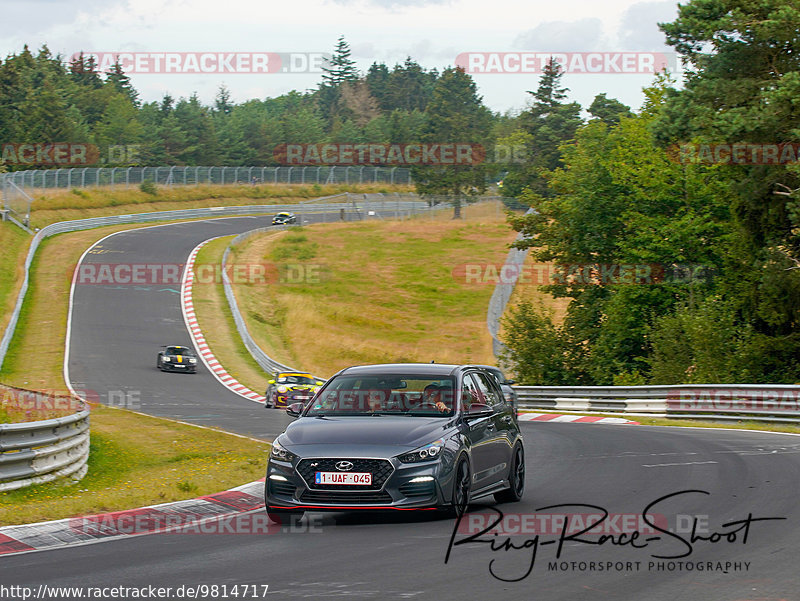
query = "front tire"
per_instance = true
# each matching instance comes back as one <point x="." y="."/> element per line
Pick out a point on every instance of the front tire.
<point x="461" y="488"/>
<point x="516" y="479"/>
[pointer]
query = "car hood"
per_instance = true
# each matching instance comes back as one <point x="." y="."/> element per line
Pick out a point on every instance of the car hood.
<point x="377" y="430"/>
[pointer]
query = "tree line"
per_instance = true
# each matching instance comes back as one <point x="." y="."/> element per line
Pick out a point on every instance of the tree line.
<point x="703" y="175"/>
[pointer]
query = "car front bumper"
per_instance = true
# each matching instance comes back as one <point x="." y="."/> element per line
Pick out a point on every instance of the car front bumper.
<point x="291" y="486"/>
<point x="185" y="367"/>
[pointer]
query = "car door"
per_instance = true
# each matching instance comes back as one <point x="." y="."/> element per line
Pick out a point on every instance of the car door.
<point x="502" y="420"/>
<point x="481" y="433"/>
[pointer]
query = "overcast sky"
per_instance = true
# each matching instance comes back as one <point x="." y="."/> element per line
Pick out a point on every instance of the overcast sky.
<point x="432" y="32"/>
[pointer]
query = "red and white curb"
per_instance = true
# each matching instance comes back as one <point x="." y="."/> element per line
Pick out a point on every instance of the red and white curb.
<point x="233" y="511"/>
<point x="200" y="343"/>
<point x="578" y="419"/>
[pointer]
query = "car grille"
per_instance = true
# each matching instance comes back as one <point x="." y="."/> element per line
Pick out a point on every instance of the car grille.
<point x="380" y="469"/>
<point x="345" y="498"/>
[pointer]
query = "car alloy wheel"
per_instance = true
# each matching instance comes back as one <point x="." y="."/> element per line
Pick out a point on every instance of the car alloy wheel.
<point x="461" y="486"/>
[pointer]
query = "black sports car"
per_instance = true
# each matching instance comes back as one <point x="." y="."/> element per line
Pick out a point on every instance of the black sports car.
<point x="401" y="436"/>
<point x="177" y="358"/>
<point x="283" y="218"/>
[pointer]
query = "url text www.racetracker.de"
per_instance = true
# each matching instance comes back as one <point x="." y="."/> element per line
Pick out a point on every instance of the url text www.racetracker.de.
<point x="198" y="591"/>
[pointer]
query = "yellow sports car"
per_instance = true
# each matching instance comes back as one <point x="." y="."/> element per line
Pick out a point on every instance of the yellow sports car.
<point x="290" y="387"/>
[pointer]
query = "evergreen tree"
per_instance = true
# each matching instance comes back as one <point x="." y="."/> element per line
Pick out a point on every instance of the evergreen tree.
<point x="340" y="67"/>
<point x="455" y="114"/>
<point x="122" y="83"/>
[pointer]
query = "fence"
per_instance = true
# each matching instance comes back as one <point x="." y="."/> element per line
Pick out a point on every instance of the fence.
<point x="16" y="204"/>
<point x="760" y="402"/>
<point x="40" y="451"/>
<point x="82" y="177"/>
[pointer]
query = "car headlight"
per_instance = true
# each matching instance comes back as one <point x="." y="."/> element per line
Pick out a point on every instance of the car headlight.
<point x="279" y="452"/>
<point x="426" y="453"/>
<point x="192" y="361"/>
<point x="166" y="359"/>
<point x="282" y="389"/>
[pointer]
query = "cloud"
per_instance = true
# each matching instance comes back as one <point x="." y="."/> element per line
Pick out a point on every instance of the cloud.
<point x="395" y="3"/>
<point x="639" y="25"/>
<point x="37" y="16"/>
<point x="583" y="35"/>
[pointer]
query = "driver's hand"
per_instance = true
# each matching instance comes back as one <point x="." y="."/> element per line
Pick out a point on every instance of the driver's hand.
<point x="441" y="406"/>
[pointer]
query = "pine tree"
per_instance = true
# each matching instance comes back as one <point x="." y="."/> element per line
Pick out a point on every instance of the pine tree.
<point x="340" y="67"/>
<point x="122" y="83"/>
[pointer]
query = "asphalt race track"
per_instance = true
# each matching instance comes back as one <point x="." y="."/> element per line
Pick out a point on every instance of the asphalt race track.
<point x="735" y="556"/>
<point x="117" y="331"/>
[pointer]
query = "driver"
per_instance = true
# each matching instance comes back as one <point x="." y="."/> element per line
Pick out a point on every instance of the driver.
<point x="432" y="394"/>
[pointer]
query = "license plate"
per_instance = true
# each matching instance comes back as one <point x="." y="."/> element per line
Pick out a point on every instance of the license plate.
<point x="345" y="478"/>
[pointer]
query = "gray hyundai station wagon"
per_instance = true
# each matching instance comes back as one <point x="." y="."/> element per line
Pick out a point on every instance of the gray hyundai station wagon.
<point x="420" y="436"/>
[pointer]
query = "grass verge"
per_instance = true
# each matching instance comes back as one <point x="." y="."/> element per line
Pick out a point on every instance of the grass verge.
<point x="14" y="245"/>
<point x="136" y="460"/>
<point x="374" y="291"/>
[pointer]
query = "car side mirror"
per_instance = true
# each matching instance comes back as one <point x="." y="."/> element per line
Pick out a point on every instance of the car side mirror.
<point x="271" y="382"/>
<point x="320" y="383"/>
<point x="295" y="409"/>
<point x="479" y="410"/>
<point x="510" y="382"/>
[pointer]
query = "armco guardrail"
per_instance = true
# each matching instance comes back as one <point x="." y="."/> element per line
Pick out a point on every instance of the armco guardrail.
<point x="502" y="293"/>
<point x="267" y="363"/>
<point x="41" y="451"/>
<point x="763" y="402"/>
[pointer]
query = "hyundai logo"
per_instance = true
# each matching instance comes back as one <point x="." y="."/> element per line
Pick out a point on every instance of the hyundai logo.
<point x="344" y="466"/>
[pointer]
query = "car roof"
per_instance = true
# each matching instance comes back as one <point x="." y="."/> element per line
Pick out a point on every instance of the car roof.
<point x="294" y="373"/>
<point x="178" y="346"/>
<point x="423" y="369"/>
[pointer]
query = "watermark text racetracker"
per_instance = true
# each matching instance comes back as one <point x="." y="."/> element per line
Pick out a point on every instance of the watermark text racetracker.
<point x="49" y="153"/>
<point x="444" y="153"/>
<point x="582" y="274"/>
<point x="753" y="399"/>
<point x="63" y="401"/>
<point x="784" y="153"/>
<point x="570" y="62"/>
<point x="149" y="521"/>
<point x="171" y="274"/>
<point x="180" y="63"/>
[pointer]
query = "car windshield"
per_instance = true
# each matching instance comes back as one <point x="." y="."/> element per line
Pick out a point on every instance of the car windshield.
<point x="296" y="379"/>
<point x="178" y="350"/>
<point x="385" y="394"/>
